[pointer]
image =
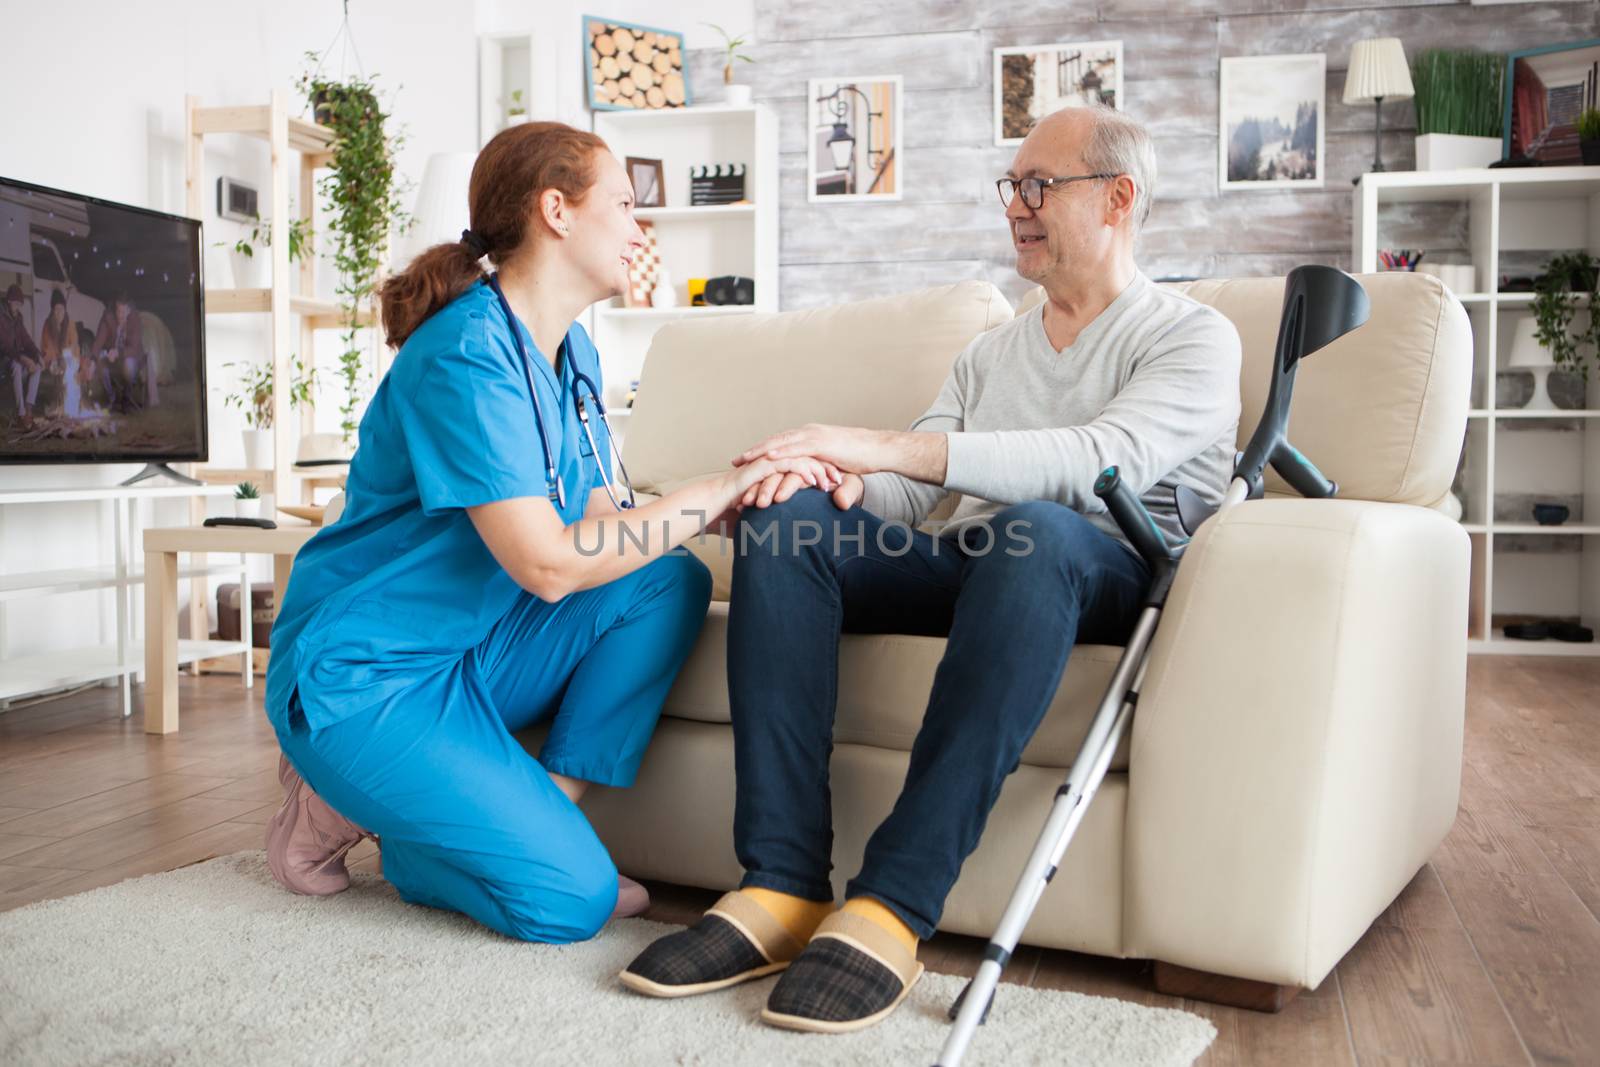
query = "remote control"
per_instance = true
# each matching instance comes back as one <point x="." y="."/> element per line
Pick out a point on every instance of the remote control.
<point x="229" y="520"/>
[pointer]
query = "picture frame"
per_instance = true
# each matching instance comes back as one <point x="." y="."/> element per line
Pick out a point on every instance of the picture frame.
<point x="1563" y="78"/>
<point x="855" y="139"/>
<point x="631" y="67"/>
<point x="649" y="181"/>
<point x="1084" y="72"/>
<point x="1272" y="121"/>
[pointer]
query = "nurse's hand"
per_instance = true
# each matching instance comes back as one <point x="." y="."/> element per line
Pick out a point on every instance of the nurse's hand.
<point x="776" y="488"/>
<point x="757" y="483"/>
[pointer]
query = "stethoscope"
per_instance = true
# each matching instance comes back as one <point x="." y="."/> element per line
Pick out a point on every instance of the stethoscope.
<point x="558" y="492"/>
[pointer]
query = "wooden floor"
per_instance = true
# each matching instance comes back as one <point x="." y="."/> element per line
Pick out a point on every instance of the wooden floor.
<point x="1490" y="956"/>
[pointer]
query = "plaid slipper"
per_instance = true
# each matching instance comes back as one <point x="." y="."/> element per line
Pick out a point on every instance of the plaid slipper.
<point x="851" y="975"/>
<point x="735" y="941"/>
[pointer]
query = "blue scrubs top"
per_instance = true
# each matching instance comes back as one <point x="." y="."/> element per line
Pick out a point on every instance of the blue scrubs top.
<point x="401" y="586"/>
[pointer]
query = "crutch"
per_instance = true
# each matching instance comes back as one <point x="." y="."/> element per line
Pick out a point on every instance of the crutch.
<point x="1320" y="305"/>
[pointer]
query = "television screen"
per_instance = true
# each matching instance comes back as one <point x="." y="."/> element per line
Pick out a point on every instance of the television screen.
<point x="102" y="344"/>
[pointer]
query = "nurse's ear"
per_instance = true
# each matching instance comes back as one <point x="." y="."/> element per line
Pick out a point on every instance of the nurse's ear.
<point x="555" y="211"/>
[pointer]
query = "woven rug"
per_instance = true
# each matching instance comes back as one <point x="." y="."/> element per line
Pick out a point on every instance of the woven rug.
<point x="215" y="964"/>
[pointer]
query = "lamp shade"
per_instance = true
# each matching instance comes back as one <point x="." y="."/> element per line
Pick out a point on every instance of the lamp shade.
<point x="1377" y="68"/>
<point x="1526" y="351"/>
<point x="441" y="212"/>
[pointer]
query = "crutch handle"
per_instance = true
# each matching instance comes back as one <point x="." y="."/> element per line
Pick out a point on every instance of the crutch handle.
<point x="1132" y="518"/>
<point x="1301" y="474"/>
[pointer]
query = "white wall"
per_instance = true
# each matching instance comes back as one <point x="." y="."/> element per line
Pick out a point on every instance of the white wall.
<point x="112" y="126"/>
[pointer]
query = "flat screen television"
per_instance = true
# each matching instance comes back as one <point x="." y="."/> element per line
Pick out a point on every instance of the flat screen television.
<point x="102" y="338"/>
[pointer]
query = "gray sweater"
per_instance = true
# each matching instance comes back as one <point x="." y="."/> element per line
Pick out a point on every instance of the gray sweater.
<point x="1151" y="385"/>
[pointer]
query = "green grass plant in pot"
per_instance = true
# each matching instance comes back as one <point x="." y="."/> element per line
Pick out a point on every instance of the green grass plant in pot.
<point x="1459" y="108"/>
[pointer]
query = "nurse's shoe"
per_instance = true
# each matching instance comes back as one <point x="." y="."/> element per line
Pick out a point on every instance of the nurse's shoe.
<point x="632" y="898"/>
<point x="307" y="840"/>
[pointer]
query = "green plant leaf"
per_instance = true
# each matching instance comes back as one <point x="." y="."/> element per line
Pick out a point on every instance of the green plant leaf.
<point x="365" y="204"/>
<point x="1458" y="92"/>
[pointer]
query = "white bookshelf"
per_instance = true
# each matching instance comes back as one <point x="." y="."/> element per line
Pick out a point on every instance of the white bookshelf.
<point x="694" y="242"/>
<point x="118" y="654"/>
<point x="1513" y="456"/>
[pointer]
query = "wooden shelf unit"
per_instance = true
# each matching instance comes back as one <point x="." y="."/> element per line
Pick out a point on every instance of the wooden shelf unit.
<point x="295" y="318"/>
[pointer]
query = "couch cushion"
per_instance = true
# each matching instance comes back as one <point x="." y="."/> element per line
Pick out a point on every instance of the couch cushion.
<point x="884" y="682"/>
<point x="1382" y="411"/>
<point x="712" y="388"/>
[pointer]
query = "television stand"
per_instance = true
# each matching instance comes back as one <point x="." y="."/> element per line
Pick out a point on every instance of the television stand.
<point x="160" y="470"/>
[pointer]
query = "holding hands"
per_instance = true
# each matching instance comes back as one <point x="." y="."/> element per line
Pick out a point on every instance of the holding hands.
<point x="846" y="452"/>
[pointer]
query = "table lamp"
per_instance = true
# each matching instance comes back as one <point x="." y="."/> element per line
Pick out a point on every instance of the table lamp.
<point x="1377" y="70"/>
<point x="442" y="212"/>
<point x="1528" y="354"/>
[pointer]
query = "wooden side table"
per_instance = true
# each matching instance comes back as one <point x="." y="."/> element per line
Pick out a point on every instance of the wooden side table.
<point x="161" y="548"/>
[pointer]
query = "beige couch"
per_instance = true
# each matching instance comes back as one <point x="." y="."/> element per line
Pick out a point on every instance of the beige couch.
<point x="1296" y="754"/>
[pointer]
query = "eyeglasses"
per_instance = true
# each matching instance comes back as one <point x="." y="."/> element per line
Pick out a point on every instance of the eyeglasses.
<point x="1033" y="188"/>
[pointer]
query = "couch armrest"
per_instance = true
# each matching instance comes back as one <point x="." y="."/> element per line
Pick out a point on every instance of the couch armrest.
<point x="1297" y="747"/>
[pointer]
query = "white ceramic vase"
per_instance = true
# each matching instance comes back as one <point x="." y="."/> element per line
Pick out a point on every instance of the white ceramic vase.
<point x="1452" y="151"/>
<point x="252" y="272"/>
<point x="736" y="95"/>
<point x="665" y="294"/>
<point x="247" y="509"/>
<point x="258" y="450"/>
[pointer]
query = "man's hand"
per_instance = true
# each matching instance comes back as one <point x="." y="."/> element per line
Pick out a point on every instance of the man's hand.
<point x="920" y="456"/>
<point x="849" y="448"/>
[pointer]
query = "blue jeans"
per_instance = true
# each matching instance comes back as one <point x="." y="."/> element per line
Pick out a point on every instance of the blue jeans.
<point x="1012" y="601"/>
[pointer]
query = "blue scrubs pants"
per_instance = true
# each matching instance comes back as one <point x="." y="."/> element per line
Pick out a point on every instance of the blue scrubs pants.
<point x="468" y="820"/>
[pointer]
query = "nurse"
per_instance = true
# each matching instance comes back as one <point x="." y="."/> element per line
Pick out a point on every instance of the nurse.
<point x="461" y="597"/>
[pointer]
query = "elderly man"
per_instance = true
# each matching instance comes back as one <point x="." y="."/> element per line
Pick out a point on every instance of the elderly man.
<point x="1110" y="369"/>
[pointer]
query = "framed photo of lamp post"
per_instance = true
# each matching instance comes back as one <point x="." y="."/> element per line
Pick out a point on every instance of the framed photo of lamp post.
<point x="1270" y="113"/>
<point x="854" y="139"/>
<point x="1031" y="81"/>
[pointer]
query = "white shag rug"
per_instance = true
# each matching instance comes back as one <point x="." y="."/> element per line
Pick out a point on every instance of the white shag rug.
<point x="215" y="964"/>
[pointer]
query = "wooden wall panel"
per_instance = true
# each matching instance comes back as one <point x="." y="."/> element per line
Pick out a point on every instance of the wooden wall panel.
<point x="949" y="226"/>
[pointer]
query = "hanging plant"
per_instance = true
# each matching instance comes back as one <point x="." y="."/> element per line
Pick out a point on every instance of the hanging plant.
<point x="1555" y="303"/>
<point x="364" y="203"/>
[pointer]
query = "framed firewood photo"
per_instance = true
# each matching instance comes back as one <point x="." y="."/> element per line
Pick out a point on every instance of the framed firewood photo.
<point x="629" y="67"/>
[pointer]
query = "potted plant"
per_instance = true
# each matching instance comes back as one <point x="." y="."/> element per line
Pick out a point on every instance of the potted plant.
<point x="1573" y="345"/>
<point x="516" y="112"/>
<point x="245" y="268"/>
<point x="735" y="95"/>
<point x="1589" y="135"/>
<point x="247" y="501"/>
<point x="1458" y="102"/>
<point x="364" y="203"/>
<point x="253" y="396"/>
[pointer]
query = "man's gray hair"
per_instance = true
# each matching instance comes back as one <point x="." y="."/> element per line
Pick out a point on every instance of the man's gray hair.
<point x="1121" y="145"/>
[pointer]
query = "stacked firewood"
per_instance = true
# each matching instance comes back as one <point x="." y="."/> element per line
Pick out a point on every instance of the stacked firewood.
<point x="631" y="67"/>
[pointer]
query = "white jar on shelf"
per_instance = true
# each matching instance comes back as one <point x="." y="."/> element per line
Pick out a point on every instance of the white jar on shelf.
<point x="665" y="293"/>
